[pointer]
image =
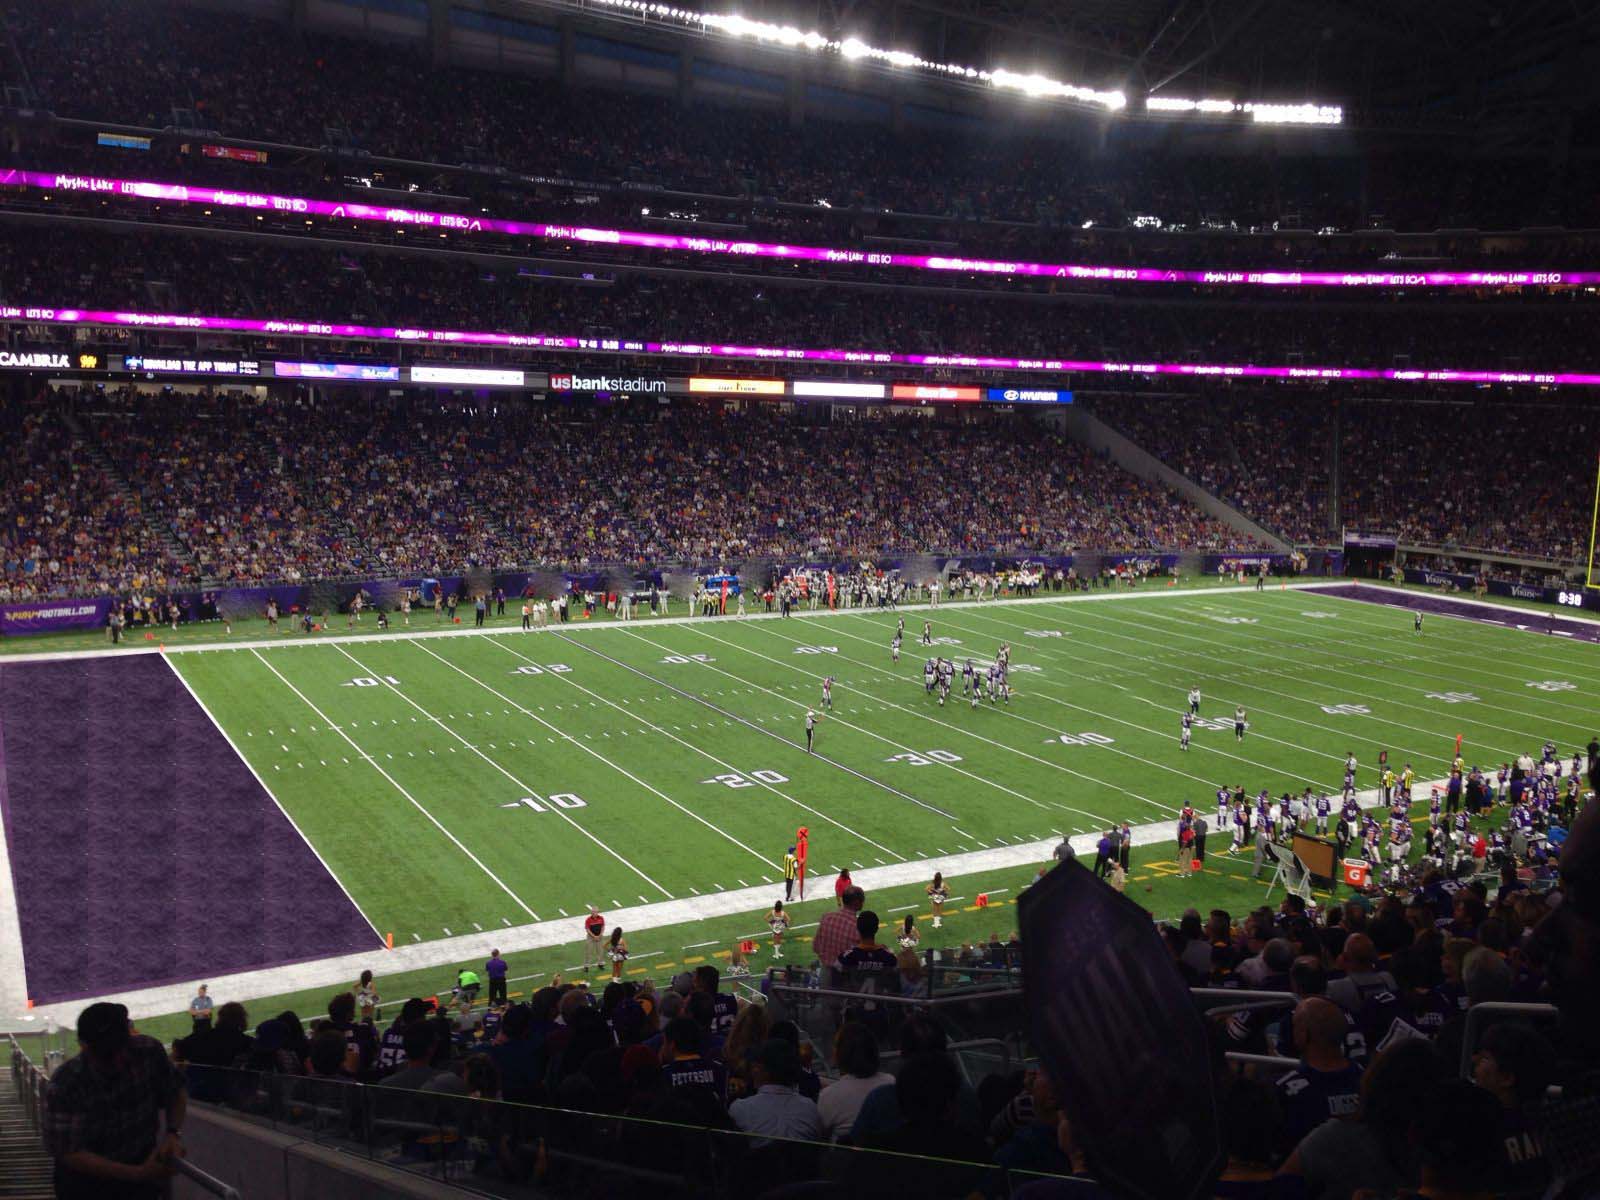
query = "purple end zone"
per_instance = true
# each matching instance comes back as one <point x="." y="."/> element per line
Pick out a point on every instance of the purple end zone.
<point x="1511" y="618"/>
<point x="143" y="850"/>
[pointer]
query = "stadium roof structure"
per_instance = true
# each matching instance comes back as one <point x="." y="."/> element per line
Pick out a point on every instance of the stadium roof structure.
<point x="1472" y="66"/>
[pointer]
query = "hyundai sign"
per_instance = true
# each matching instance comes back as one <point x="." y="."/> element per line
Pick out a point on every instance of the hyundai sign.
<point x="1026" y="395"/>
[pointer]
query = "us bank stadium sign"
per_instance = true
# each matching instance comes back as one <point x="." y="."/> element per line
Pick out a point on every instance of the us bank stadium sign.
<point x="630" y="384"/>
<point x="35" y="360"/>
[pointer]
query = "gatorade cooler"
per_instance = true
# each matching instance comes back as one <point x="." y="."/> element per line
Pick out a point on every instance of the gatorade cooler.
<point x="1357" y="872"/>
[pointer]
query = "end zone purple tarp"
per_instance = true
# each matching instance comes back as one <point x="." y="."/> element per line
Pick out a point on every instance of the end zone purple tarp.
<point x="143" y="850"/>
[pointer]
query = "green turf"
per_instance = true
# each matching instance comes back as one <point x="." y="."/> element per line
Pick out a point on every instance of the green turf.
<point x="623" y="751"/>
<point x="414" y="800"/>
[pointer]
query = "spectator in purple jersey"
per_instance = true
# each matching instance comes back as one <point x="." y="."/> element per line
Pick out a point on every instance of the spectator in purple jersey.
<point x="683" y="1063"/>
<point x="1517" y="1065"/>
<point x="1325" y="1085"/>
<point x="1378" y="1148"/>
<point x="724" y="1006"/>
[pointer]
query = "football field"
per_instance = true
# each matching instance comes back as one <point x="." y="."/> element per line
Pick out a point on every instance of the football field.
<point x="470" y="783"/>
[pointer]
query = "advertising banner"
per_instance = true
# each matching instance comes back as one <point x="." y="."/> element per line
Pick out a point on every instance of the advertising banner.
<point x="52" y="616"/>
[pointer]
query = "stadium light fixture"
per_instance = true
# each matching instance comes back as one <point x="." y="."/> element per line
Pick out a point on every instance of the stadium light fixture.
<point x="1259" y="112"/>
<point x="853" y="49"/>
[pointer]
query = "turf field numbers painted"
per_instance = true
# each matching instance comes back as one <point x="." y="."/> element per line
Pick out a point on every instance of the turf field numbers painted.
<point x="552" y="668"/>
<point x="1213" y="724"/>
<point x="750" y="779"/>
<point x="1234" y="620"/>
<point x="946" y="641"/>
<point x="543" y="804"/>
<point x="1554" y="685"/>
<point x="1452" y="697"/>
<point x="1044" y="633"/>
<point x="927" y="758"/>
<point x="1085" y="739"/>
<point x="816" y="649"/>
<point x="1347" y="710"/>
<point x="369" y="681"/>
<point x="688" y="658"/>
<point x="1320" y="616"/>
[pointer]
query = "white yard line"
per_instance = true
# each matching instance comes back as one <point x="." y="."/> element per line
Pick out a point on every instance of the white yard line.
<point x="590" y="750"/>
<point x="978" y="779"/>
<point x="417" y="804"/>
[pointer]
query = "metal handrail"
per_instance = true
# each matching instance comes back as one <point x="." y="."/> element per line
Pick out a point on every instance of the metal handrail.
<point x="208" y="1183"/>
<point x="1262" y="1060"/>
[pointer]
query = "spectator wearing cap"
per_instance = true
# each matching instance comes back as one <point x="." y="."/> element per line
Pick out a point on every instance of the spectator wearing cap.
<point x="837" y="932"/>
<point x="777" y="1110"/>
<point x="104" y="1111"/>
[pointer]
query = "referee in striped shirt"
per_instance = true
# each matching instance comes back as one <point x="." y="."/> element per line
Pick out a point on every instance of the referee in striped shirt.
<point x="791" y="870"/>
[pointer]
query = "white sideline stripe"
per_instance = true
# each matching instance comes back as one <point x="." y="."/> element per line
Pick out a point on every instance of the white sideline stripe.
<point x="13" y="983"/>
<point x="283" y="640"/>
<point x="338" y="972"/>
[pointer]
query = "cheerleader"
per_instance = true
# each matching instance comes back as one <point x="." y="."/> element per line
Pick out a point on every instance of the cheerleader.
<point x="938" y="894"/>
<point x="778" y="922"/>
<point x="367" y="997"/>
<point x="617" y="948"/>
<point x="908" y="936"/>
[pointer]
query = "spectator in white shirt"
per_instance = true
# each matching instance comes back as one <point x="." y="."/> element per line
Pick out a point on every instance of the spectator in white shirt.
<point x="855" y="1052"/>
<point x="777" y="1110"/>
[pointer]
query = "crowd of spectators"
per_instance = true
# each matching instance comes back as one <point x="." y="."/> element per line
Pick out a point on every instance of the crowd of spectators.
<point x="255" y="79"/>
<point x="1266" y="457"/>
<point x="285" y="489"/>
<point x="68" y="527"/>
<point x="1389" y="1092"/>
<point x="139" y="270"/>
<point x="1511" y="478"/>
<point x="1492" y="476"/>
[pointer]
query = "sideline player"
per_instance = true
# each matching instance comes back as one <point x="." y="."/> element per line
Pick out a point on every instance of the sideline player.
<point x="811" y="729"/>
<point x="1188" y="730"/>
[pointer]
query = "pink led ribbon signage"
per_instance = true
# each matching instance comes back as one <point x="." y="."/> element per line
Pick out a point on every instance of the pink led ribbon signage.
<point x="557" y="342"/>
<point x="175" y="193"/>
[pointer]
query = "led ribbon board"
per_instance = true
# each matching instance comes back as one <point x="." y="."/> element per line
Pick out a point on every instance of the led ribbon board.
<point x="175" y="193"/>
<point x="44" y="314"/>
